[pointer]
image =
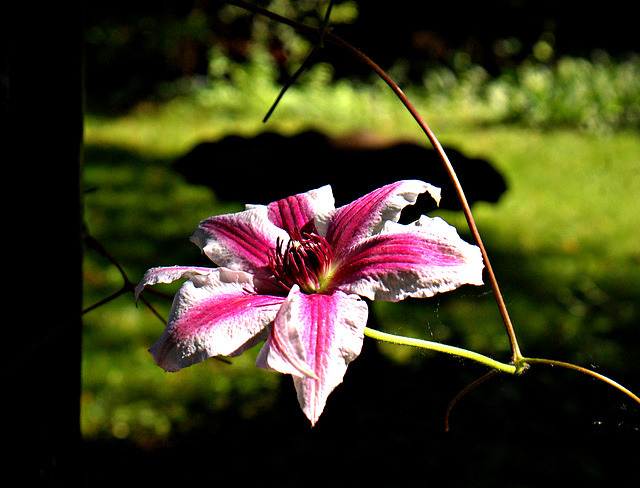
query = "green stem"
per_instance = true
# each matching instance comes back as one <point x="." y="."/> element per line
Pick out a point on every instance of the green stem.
<point x="438" y="347"/>
<point x="496" y="366"/>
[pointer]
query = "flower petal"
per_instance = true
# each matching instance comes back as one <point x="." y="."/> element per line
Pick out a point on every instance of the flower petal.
<point x="216" y="314"/>
<point x="284" y="350"/>
<point x="295" y="212"/>
<point x="366" y="216"/>
<point x="325" y="333"/>
<point x="168" y="274"/>
<point x="239" y="241"/>
<point x="417" y="260"/>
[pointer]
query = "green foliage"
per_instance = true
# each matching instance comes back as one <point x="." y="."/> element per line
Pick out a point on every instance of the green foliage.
<point x="594" y="95"/>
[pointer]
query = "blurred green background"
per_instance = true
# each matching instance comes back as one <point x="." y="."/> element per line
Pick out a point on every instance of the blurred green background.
<point x="558" y="119"/>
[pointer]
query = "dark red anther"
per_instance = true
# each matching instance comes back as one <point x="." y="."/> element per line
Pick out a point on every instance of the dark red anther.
<point x="306" y="261"/>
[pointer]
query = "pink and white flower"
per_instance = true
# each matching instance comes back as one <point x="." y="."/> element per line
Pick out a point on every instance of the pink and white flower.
<point x="294" y="274"/>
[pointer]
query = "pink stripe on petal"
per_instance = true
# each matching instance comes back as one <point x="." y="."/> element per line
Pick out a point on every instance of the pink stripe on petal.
<point x="284" y="349"/>
<point x="328" y="330"/>
<point x="238" y="241"/>
<point x="298" y="211"/>
<point x="417" y="261"/>
<point x="213" y="315"/>
<point x="367" y="215"/>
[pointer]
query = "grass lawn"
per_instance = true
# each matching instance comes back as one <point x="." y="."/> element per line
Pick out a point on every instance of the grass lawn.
<point x="563" y="241"/>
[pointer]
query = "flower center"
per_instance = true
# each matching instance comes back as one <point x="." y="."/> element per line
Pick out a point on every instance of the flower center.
<point x="305" y="261"/>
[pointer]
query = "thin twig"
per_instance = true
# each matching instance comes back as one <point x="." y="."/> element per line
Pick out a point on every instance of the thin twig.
<point x="303" y="67"/>
<point x="466" y="390"/>
<point x="305" y="64"/>
<point x="128" y="286"/>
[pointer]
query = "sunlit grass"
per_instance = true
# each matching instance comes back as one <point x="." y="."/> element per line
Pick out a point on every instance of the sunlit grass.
<point x="568" y="191"/>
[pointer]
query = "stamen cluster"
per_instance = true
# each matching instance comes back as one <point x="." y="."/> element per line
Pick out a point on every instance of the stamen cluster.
<point x="305" y="260"/>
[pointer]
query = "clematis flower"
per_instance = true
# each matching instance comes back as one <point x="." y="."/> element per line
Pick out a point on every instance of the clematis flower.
<point x="294" y="274"/>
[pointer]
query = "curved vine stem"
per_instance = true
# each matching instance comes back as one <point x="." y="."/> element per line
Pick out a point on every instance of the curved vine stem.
<point x="473" y="385"/>
<point x="504" y="313"/>
<point x="580" y="369"/>
<point x="439" y="347"/>
<point x="322" y="35"/>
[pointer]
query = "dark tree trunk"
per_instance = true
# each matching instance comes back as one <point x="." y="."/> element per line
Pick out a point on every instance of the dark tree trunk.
<point x="42" y="91"/>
